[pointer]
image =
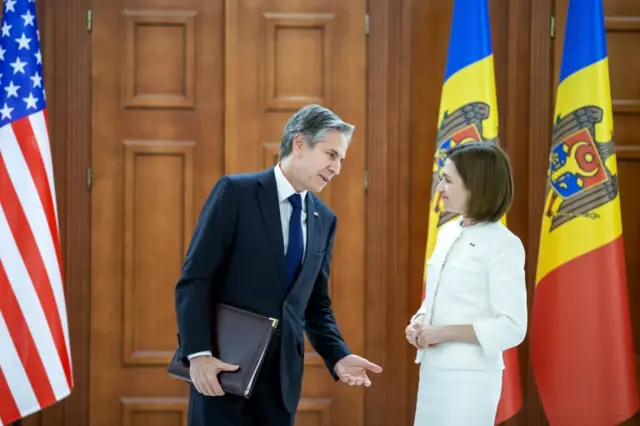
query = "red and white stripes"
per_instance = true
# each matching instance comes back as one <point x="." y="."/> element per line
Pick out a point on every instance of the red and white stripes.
<point x="35" y="358"/>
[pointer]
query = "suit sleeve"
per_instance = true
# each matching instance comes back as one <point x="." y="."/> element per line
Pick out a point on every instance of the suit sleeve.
<point x="321" y="327"/>
<point x="508" y="300"/>
<point x="205" y="258"/>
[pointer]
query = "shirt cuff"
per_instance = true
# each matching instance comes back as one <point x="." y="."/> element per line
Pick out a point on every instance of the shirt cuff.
<point x="190" y="357"/>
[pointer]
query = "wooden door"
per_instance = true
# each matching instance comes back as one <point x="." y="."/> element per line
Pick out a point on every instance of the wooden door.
<point x="181" y="95"/>
<point x="622" y="26"/>
<point x="280" y="56"/>
<point x="157" y="150"/>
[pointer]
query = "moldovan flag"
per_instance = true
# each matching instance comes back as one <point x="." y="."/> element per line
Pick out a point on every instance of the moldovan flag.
<point x="581" y="345"/>
<point x="469" y="113"/>
<point x="35" y="361"/>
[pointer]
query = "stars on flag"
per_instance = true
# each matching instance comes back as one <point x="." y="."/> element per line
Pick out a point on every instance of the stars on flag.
<point x="22" y="91"/>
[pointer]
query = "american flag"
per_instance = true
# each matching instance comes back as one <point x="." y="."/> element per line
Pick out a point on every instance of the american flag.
<point x="35" y="357"/>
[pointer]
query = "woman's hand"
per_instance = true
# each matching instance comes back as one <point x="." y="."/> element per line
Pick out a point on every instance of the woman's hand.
<point x="429" y="336"/>
<point x="411" y="333"/>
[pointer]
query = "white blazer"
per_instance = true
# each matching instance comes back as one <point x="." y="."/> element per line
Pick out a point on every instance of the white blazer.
<point x="475" y="276"/>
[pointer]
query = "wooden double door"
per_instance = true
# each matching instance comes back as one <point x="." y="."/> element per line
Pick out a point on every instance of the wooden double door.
<point x="182" y="93"/>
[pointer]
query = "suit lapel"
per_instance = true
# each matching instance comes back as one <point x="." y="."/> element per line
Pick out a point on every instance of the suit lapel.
<point x="268" y="199"/>
<point x="314" y="229"/>
<point x="439" y="260"/>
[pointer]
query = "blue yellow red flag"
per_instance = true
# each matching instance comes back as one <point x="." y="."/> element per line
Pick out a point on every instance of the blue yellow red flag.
<point x="581" y="343"/>
<point x="469" y="113"/>
<point x="468" y="105"/>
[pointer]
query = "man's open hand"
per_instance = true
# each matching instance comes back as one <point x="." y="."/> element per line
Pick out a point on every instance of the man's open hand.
<point x="352" y="369"/>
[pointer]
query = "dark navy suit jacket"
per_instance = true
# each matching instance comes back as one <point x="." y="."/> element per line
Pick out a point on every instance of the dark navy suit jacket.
<point x="236" y="256"/>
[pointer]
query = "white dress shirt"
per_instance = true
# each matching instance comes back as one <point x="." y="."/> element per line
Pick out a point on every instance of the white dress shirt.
<point x="285" y="190"/>
<point x="475" y="276"/>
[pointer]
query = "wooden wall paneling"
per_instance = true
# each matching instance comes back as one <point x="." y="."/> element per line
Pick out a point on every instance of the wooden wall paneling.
<point x="404" y="188"/>
<point x="513" y="133"/>
<point x="404" y="176"/>
<point x="75" y="116"/>
<point x="66" y="58"/>
<point x="387" y="211"/>
<point x="515" y="141"/>
<point x="540" y="121"/>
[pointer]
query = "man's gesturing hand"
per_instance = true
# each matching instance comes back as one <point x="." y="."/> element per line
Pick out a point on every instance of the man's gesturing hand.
<point x="204" y="374"/>
<point x="352" y="369"/>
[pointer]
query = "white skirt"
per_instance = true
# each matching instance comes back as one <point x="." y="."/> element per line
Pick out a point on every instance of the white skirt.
<point x="457" y="397"/>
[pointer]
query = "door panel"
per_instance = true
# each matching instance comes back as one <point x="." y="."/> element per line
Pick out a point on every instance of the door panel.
<point x="167" y="124"/>
<point x="157" y="131"/>
<point x="280" y="56"/>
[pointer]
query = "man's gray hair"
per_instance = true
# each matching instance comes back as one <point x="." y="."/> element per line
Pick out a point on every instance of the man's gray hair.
<point x="312" y="121"/>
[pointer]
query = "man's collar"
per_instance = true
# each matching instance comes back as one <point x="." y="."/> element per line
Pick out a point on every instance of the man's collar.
<point x="285" y="189"/>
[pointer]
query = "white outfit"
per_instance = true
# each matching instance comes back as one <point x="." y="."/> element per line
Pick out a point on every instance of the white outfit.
<point x="475" y="276"/>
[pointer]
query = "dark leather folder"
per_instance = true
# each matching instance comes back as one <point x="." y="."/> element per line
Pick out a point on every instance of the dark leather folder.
<point x="241" y="338"/>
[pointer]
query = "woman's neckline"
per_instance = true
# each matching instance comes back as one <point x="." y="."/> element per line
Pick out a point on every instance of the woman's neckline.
<point x="463" y="226"/>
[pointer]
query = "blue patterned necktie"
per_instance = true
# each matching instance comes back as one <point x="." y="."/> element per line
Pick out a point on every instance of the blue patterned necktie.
<point x="295" y="249"/>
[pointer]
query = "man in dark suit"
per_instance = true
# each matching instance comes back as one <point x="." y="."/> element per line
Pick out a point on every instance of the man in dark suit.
<point x="263" y="243"/>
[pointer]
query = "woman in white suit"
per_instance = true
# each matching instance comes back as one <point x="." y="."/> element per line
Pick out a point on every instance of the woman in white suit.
<point x="475" y="305"/>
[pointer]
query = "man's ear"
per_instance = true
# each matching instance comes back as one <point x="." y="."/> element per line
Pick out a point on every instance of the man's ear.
<point x="298" y="143"/>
